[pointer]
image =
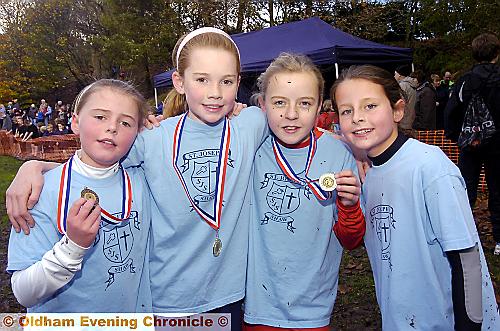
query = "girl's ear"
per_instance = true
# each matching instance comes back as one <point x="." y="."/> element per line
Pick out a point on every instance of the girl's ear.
<point x="74" y="124"/>
<point x="178" y="82"/>
<point x="399" y="110"/>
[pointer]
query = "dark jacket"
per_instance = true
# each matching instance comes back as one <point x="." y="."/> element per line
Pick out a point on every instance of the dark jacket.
<point x="425" y="108"/>
<point x="483" y="78"/>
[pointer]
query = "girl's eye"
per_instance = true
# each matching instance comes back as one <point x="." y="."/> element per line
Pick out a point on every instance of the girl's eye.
<point x="371" y="106"/>
<point x="279" y="103"/>
<point x="345" y="112"/>
<point x="201" y="80"/>
<point x="227" y="82"/>
<point x="305" y="104"/>
<point x="126" y="124"/>
<point x="99" y="117"/>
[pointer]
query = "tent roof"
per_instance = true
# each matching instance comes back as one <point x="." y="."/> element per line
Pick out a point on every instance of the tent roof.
<point x="323" y="43"/>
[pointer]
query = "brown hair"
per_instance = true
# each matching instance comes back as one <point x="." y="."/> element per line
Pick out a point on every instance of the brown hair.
<point x="177" y="102"/>
<point x="374" y="74"/>
<point x="116" y="85"/>
<point x="485" y="47"/>
<point x="287" y="62"/>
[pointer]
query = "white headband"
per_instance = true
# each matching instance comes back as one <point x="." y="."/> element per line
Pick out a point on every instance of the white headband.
<point x="197" y="32"/>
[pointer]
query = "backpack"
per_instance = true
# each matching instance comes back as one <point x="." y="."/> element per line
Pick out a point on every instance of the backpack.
<point x="478" y="125"/>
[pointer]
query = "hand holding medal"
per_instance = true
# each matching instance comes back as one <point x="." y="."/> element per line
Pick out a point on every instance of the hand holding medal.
<point x="348" y="187"/>
<point x="82" y="222"/>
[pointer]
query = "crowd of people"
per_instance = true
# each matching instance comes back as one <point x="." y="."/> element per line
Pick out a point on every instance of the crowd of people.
<point x="264" y="203"/>
<point x="427" y="98"/>
<point x="35" y="121"/>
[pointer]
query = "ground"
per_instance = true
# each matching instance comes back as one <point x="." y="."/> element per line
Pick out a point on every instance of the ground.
<point x="356" y="307"/>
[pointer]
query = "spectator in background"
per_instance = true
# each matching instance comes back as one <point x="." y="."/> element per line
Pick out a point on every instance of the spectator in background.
<point x="15" y="104"/>
<point x="409" y="87"/>
<point x="326" y="116"/>
<point x="441" y="99"/>
<point x="61" y="128"/>
<point x="27" y="130"/>
<point x="484" y="79"/>
<point x="50" y="130"/>
<point x="447" y="81"/>
<point x="5" y="121"/>
<point x="425" y="104"/>
<point x="43" y="109"/>
<point x="32" y="112"/>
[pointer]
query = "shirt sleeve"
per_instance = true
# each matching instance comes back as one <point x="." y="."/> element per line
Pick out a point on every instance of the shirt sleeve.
<point x="42" y="279"/>
<point x="350" y="227"/>
<point x="450" y="217"/>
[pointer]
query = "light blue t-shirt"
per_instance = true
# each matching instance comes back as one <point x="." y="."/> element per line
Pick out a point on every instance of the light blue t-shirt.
<point x="185" y="275"/>
<point x="416" y="210"/>
<point x="294" y="255"/>
<point x="115" y="274"/>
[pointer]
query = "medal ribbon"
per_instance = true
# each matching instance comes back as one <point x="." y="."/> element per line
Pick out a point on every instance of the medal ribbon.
<point x="64" y="193"/>
<point x="288" y="170"/>
<point x="212" y="220"/>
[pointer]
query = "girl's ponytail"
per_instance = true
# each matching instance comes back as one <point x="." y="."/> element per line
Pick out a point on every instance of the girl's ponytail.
<point x="174" y="104"/>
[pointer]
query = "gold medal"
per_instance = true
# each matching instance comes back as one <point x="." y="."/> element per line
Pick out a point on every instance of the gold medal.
<point x="327" y="182"/>
<point x="88" y="194"/>
<point x="217" y="247"/>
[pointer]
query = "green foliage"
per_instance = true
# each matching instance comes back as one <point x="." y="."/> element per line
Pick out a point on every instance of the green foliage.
<point x="48" y="45"/>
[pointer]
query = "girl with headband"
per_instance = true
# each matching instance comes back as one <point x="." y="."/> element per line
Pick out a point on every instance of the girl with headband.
<point x="198" y="166"/>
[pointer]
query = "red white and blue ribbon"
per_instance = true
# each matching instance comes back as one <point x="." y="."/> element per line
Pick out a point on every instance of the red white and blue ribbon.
<point x="64" y="195"/>
<point x="292" y="175"/>
<point x="213" y="220"/>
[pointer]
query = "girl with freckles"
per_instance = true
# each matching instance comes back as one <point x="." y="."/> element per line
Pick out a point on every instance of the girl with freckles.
<point x="299" y="223"/>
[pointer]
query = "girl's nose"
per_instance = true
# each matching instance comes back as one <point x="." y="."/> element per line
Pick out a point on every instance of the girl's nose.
<point x="357" y="116"/>
<point x="291" y="112"/>
<point x="215" y="91"/>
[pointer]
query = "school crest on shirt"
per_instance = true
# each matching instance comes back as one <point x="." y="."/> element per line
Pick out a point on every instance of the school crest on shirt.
<point x="118" y="242"/>
<point x="283" y="198"/>
<point x="382" y="220"/>
<point x="201" y="167"/>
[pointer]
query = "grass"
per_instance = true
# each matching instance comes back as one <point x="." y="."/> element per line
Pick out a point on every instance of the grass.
<point x="8" y="166"/>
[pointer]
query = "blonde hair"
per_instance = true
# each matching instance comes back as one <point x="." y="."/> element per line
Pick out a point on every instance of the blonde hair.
<point x="172" y="105"/>
<point x="287" y="62"/>
<point x="116" y="85"/>
<point x="177" y="102"/>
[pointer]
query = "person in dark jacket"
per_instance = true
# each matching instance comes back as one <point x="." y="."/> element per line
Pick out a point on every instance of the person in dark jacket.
<point x="425" y="105"/>
<point x="484" y="78"/>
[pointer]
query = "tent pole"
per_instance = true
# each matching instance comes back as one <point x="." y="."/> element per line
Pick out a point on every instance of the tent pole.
<point x="156" y="98"/>
<point x="336" y="70"/>
<point x="412" y="67"/>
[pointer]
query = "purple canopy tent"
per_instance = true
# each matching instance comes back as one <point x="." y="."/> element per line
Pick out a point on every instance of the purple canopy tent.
<point x="324" y="44"/>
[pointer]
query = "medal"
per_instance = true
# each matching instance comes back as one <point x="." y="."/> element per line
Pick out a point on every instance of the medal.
<point x="88" y="194"/>
<point x="215" y="219"/>
<point x="217" y="247"/>
<point x="327" y="182"/>
<point x="290" y="173"/>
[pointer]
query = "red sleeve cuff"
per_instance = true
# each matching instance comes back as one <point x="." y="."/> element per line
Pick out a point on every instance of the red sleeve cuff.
<point x="350" y="226"/>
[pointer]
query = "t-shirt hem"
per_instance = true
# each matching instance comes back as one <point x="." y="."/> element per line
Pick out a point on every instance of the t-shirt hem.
<point x="458" y="244"/>
<point x="286" y="323"/>
<point x="202" y="308"/>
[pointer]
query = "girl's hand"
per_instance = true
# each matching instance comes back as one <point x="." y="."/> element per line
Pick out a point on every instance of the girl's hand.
<point x="238" y="107"/>
<point x="83" y="222"/>
<point x="348" y="187"/>
<point x="152" y="121"/>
